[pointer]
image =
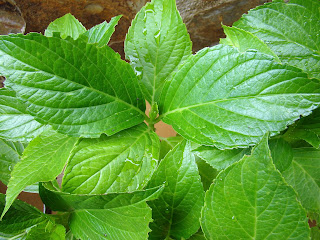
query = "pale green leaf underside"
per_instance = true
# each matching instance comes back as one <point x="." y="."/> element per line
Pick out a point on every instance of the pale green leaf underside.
<point x="16" y="124"/>
<point x="102" y="32"/>
<point x="245" y="41"/>
<point x="67" y="26"/>
<point x="156" y="43"/>
<point x="230" y="99"/>
<point x="220" y="159"/>
<point x="176" y="212"/>
<point x="42" y="160"/>
<point x="123" y="223"/>
<point x="78" y="88"/>
<point x="66" y="202"/>
<point x="304" y="176"/>
<point x="297" y="45"/>
<point x="250" y="200"/>
<point x="120" y="163"/>
<point x="10" y="153"/>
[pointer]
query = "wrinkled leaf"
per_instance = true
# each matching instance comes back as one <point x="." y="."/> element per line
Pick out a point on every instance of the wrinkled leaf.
<point x="220" y="159"/>
<point x="15" y="122"/>
<point x="78" y="88"/>
<point x="176" y="212"/>
<point x="156" y="43"/>
<point x="211" y="99"/>
<point x="250" y="200"/>
<point x="304" y="176"/>
<point x="297" y="45"/>
<point x="102" y="32"/>
<point x="60" y="201"/>
<point x="120" y="163"/>
<point x="42" y="160"/>
<point x="67" y="26"/>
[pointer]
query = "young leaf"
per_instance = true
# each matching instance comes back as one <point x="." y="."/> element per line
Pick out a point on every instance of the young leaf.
<point x="15" y="122"/>
<point x="43" y="160"/>
<point x="20" y="217"/>
<point x="211" y="99"/>
<point x="123" y="223"/>
<point x="101" y="33"/>
<point x="220" y="159"/>
<point x="304" y="176"/>
<point x="67" y="26"/>
<point x="156" y="43"/>
<point x="47" y="230"/>
<point x="60" y="201"/>
<point x="120" y="163"/>
<point x="78" y="88"/>
<point x="177" y="211"/>
<point x="297" y="45"/>
<point x="250" y="200"/>
<point x="10" y="153"/>
<point x="245" y="41"/>
<point x="281" y="152"/>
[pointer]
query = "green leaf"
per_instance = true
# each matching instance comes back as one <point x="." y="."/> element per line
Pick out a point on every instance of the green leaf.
<point x="15" y="122"/>
<point x="43" y="160"/>
<point x="281" y="152"/>
<point x="102" y="33"/>
<point x="156" y="43"/>
<point x="10" y="153"/>
<point x="304" y="176"/>
<point x="251" y="200"/>
<point x="211" y="101"/>
<point x="197" y="236"/>
<point x="315" y="233"/>
<point x="177" y="211"/>
<point x="206" y="172"/>
<point x="167" y="144"/>
<point x="123" y="223"/>
<point x="67" y="26"/>
<point x="297" y="45"/>
<point x="220" y="159"/>
<point x="120" y="163"/>
<point x="245" y="41"/>
<point x="48" y="231"/>
<point x="307" y="128"/>
<point x="20" y="217"/>
<point x="61" y="201"/>
<point x="78" y="88"/>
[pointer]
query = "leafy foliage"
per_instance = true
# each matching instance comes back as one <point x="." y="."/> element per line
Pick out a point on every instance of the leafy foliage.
<point x="245" y="162"/>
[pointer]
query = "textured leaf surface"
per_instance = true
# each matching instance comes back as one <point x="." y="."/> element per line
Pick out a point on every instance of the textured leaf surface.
<point x="211" y="99"/>
<point x="156" y="43"/>
<point x="220" y="159"/>
<point x="67" y="26"/>
<point x="60" y="201"/>
<point x="120" y="163"/>
<point x="245" y="41"/>
<point x="281" y="152"/>
<point x="304" y="176"/>
<point x="78" y="88"/>
<point x="250" y="200"/>
<point x="297" y="45"/>
<point x="43" y="160"/>
<point x="123" y="223"/>
<point x="20" y="217"/>
<point x="177" y="211"/>
<point x="10" y="153"/>
<point x="15" y="122"/>
<point x="102" y="32"/>
<point x="48" y="231"/>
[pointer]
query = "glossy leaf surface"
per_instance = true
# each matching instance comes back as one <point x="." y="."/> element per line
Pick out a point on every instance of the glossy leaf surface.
<point x="156" y="43"/>
<point x="78" y="88"/>
<point x="211" y="99"/>
<point x="250" y="200"/>
<point x="120" y="163"/>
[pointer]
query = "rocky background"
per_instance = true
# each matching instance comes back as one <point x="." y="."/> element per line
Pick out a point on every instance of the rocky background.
<point x="202" y="17"/>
